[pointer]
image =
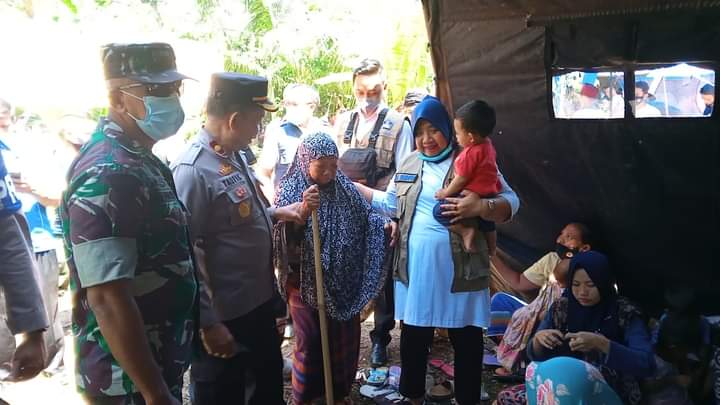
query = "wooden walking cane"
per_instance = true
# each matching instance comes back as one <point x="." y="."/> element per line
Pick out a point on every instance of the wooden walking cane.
<point x="320" y="287"/>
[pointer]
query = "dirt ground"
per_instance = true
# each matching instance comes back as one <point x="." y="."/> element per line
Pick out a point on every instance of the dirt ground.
<point x="59" y="387"/>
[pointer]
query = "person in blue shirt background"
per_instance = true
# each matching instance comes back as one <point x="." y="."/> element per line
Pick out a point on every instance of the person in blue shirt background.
<point x="21" y="151"/>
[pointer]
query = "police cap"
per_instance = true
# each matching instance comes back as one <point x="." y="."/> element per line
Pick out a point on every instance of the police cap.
<point x="239" y="88"/>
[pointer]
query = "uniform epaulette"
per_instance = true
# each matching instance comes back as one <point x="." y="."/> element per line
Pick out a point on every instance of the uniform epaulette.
<point x="190" y="155"/>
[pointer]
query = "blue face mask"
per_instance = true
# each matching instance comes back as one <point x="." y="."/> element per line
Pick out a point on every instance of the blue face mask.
<point x="163" y="116"/>
<point x="437" y="158"/>
<point x="368" y="104"/>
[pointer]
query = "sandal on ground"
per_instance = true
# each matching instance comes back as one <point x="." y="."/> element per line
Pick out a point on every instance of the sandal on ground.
<point x="392" y="399"/>
<point x="446" y="368"/>
<point x="504" y="375"/>
<point x="378" y="376"/>
<point x="441" y="392"/>
<point x="370" y="391"/>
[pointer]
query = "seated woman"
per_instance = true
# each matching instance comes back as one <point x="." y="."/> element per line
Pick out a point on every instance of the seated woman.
<point x="438" y="283"/>
<point x="352" y="252"/>
<point x="574" y="237"/>
<point x="593" y="324"/>
<point x="549" y="274"/>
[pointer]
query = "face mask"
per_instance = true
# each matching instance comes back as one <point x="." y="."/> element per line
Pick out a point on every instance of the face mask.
<point x="368" y="104"/>
<point x="565" y="252"/>
<point x="299" y="117"/>
<point x="163" y="116"/>
<point x="437" y="158"/>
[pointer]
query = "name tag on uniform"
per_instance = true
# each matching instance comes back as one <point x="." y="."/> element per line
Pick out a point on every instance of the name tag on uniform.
<point x="230" y="180"/>
<point x="405" y="177"/>
<point x="387" y="125"/>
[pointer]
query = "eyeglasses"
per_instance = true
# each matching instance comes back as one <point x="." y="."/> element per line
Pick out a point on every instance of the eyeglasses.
<point x="158" y="90"/>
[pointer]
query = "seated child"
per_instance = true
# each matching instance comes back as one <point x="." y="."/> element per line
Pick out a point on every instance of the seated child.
<point x="475" y="169"/>
<point x="682" y="355"/>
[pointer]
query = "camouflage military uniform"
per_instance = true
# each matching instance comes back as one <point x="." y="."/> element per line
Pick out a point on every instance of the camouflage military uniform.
<point x="122" y="220"/>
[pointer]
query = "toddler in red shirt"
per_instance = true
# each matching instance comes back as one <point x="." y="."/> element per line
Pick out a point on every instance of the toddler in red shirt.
<point x="475" y="169"/>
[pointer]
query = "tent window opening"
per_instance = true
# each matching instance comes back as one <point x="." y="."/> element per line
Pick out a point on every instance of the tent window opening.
<point x="588" y="95"/>
<point x="681" y="90"/>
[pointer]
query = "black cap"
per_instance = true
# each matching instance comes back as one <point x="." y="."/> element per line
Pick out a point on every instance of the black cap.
<point x="152" y="63"/>
<point x="238" y="88"/>
<point x="708" y="89"/>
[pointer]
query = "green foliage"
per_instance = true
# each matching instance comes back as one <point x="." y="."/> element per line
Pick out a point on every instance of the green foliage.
<point x="206" y="8"/>
<point x="408" y="63"/>
<point x="96" y="113"/>
<point x="260" y="19"/>
<point x="70" y="5"/>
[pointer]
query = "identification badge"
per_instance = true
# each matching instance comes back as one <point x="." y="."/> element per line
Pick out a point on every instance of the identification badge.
<point x="244" y="209"/>
<point x="405" y="178"/>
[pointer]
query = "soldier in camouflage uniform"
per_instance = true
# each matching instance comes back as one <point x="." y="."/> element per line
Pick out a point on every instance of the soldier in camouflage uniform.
<point x="126" y="237"/>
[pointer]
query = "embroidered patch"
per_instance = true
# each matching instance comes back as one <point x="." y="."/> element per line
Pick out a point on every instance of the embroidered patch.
<point x="225" y="169"/>
<point x="405" y="178"/>
<point x="244" y="209"/>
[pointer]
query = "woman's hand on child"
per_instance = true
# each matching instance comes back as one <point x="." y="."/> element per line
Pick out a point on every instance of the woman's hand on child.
<point x="460" y="208"/>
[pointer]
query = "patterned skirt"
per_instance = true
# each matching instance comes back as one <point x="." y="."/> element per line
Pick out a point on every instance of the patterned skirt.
<point x="307" y="376"/>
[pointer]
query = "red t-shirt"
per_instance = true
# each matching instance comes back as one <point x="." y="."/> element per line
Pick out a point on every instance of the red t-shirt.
<point x="477" y="163"/>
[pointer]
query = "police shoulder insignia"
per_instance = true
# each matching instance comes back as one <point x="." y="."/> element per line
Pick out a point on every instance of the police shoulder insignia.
<point x="405" y="177"/>
<point x="225" y="169"/>
<point x="244" y="209"/>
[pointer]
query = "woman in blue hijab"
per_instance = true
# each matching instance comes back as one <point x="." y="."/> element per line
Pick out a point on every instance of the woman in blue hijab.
<point x="590" y="324"/>
<point x="437" y="283"/>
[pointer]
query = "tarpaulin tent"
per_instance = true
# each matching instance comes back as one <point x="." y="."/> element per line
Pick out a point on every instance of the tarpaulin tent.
<point x="650" y="186"/>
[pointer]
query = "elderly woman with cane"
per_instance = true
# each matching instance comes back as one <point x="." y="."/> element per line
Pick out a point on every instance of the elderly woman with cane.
<point x="351" y="241"/>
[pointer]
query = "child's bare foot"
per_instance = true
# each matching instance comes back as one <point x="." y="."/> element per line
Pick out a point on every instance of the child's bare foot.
<point x="468" y="236"/>
<point x="440" y="194"/>
<point x="491" y="239"/>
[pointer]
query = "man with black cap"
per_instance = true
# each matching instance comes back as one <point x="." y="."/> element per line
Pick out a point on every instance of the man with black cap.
<point x="126" y="237"/>
<point x="231" y="227"/>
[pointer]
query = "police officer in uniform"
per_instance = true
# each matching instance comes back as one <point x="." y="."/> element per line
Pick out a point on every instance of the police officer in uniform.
<point x="231" y="229"/>
<point x="373" y="125"/>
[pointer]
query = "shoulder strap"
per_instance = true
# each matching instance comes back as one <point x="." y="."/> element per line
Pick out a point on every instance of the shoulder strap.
<point x="350" y="130"/>
<point x="376" y="130"/>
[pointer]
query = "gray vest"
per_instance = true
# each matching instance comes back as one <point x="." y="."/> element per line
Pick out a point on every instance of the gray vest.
<point x="471" y="270"/>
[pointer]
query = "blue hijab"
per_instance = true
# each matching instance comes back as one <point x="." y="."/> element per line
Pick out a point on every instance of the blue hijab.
<point x="352" y="235"/>
<point x="603" y="316"/>
<point x="433" y="111"/>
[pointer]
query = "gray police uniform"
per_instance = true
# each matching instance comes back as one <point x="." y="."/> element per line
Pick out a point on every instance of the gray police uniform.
<point x="231" y="228"/>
